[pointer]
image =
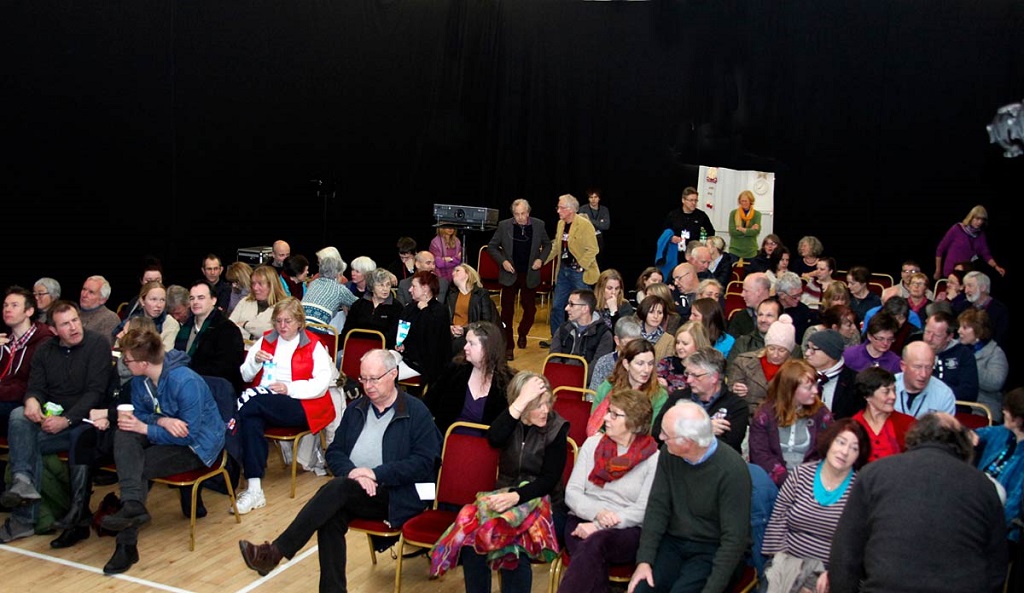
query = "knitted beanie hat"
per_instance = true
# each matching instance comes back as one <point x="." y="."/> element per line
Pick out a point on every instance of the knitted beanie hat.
<point x="781" y="333"/>
<point x="828" y="341"/>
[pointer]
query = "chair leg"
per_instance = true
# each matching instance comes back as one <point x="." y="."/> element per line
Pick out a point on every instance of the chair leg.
<point x="295" y="463"/>
<point x="398" y="565"/>
<point x="231" y="494"/>
<point x="192" y="518"/>
<point x="373" y="553"/>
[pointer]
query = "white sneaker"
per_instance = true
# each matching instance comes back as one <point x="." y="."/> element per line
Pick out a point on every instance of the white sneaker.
<point x="248" y="500"/>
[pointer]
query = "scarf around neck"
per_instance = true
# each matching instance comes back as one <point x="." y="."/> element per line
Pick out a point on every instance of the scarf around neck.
<point x="609" y="465"/>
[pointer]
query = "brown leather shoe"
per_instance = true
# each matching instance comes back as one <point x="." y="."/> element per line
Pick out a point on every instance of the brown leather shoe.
<point x="262" y="558"/>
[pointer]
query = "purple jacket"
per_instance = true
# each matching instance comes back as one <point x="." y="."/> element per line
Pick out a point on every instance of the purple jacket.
<point x="765" y="448"/>
<point x="958" y="246"/>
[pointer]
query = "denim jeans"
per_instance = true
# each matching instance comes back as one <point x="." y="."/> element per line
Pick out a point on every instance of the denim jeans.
<point x="567" y="281"/>
<point x="28" y="443"/>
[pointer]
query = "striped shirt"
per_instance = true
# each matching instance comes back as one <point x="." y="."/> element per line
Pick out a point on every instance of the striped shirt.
<point x="799" y="525"/>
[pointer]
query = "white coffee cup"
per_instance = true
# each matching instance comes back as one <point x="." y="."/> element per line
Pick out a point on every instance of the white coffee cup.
<point x="125" y="410"/>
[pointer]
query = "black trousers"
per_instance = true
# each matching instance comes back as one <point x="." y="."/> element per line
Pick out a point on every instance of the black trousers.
<point x="327" y="515"/>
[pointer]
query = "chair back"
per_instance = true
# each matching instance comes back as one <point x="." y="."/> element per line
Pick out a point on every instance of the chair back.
<point x="566" y="369"/>
<point x="733" y="302"/>
<point x="547" y="277"/>
<point x="734" y="287"/>
<point x="327" y="335"/>
<point x="972" y="414"/>
<point x="357" y="343"/>
<point x="573" y="392"/>
<point x="576" y="412"/>
<point x="471" y="464"/>
<point x="884" y="279"/>
<point x="940" y="288"/>
<point x="122" y="310"/>
<point x="572" y="450"/>
<point x="876" y="288"/>
<point x="488" y="270"/>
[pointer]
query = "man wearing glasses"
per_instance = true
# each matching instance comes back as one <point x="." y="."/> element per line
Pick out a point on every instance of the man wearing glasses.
<point x="902" y="288"/>
<point x="583" y="333"/>
<point x="790" y="289"/>
<point x="690" y="223"/>
<point x="697" y="524"/>
<point x="386" y="443"/>
<point x="574" y="251"/>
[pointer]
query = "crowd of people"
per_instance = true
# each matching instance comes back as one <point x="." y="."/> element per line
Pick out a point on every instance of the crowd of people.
<point x="764" y="434"/>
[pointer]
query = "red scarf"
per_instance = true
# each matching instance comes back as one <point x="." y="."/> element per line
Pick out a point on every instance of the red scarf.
<point x="609" y="465"/>
<point x="769" y="368"/>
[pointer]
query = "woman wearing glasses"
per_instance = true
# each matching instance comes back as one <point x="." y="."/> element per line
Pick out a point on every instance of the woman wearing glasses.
<point x="607" y="493"/>
<point x="784" y="431"/>
<point x="46" y="292"/>
<point x="634" y="370"/>
<point x="292" y="371"/>
<point x="875" y="351"/>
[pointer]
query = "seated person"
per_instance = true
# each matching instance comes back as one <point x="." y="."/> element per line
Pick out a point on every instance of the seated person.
<point x="472" y="388"/>
<point x="609" y="293"/>
<point x="634" y="370"/>
<point x="750" y="373"/>
<point x="886" y="427"/>
<point x="17" y="347"/>
<point x="153" y="304"/>
<point x="784" y="431"/>
<point x="835" y="380"/>
<point x="468" y="301"/>
<point x="709" y="312"/>
<point x="627" y="329"/>
<point x="376" y="310"/>
<point x="175" y="427"/>
<point x="426" y="349"/>
<point x="253" y="314"/>
<point x="607" y="493"/>
<point x="1001" y="456"/>
<point x="213" y="343"/>
<point x="583" y="333"/>
<point x="292" y="371"/>
<point x="326" y="294"/>
<point x="808" y="507"/>
<point x="689" y="338"/>
<point x="875" y="351"/>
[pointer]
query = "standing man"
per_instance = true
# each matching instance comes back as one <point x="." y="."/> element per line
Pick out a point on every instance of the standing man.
<point x="689" y="223"/>
<point x="212" y="271"/>
<point x="924" y="520"/>
<point x="386" y="443"/>
<point x="597" y="214"/>
<point x="95" y="315"/>
<point x="282" y="251"/>
<point x="917" y="392"/>
<point x="697" y="524"/>
<point x="69" y="377"/>
<point x="520" y="245"/>
<point x="955" y="364"/>
<point x="176" y="427"/>
<point x="575" y="252"/>
<point x="213" y="341"/>
<point x="17" y="347"/>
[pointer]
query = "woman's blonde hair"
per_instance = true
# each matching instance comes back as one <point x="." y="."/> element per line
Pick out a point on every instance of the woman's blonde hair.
<point x="516" y="385"/>
<point x="976" y="212"/>
<point x="602" y="281"/>
<point x="269" y="275"/>
<point x="472" y="276"/>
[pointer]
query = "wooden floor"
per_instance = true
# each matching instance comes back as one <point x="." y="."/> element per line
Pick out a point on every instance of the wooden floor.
<point x="166" y="564"/>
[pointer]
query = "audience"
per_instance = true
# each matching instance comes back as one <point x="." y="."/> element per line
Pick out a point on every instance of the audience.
<point x="633" y="371"/>
<point x="95" y="315"/>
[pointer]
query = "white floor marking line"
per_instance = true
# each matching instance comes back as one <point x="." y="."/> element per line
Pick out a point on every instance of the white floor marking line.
<point x="93" y="569"/>
<point x="278" y="570"/>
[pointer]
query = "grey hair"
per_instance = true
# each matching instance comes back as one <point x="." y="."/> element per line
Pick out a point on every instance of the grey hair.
<point x="177" y="296"/>
<point x="331" y="252"/>
<point x="104" y="285"/>
<point x="570" y="202"/>
<point x="331" y="266"/>
<point x="378" y="276"/>
<point x="788" y="281"/>
<point x="760" y="279"/>
<point x="628" y="328"/>
<point x="51" y="285"/>
<point x="388" y="358"/>
<point x="698" y="430"/>
<point x="984" y="282"/>
<point x="364" y="264"/>
<point x="521" y="202"/>
<point x="708" y="360"/>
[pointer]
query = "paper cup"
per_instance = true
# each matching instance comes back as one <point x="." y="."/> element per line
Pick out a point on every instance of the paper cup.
<point x="125" y="410"/>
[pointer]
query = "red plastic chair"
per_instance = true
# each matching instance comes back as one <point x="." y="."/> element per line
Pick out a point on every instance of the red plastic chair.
<point x="566" y="370"/>
<point x="733" y="303"/>
<point x="488" y="270"/>
<point x="577" y="412"/>
<point x="357" y="343"/>
<point x="734" y="287"/>
<point x="972" y="414"/>
<point x="472" y="466"/>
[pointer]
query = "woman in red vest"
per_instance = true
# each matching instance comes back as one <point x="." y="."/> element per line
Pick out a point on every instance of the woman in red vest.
<point x="290" y="371"/>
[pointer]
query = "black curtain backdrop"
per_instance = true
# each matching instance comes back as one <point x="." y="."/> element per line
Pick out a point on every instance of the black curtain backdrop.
<point x="181" y="128"/>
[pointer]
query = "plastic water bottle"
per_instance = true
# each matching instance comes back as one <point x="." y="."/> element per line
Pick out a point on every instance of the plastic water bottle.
<point x="269" y="368"/>
<point x="703" y="235"/>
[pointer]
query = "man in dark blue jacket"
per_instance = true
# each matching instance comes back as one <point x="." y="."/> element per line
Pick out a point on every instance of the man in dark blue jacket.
<point x="386" y="443"/>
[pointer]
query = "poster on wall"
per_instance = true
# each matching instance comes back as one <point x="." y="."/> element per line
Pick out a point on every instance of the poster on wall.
<point x="719" y="188"/>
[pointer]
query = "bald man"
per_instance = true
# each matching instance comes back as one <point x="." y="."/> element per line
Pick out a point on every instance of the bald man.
<point x="917" y="391"/>
<point x="282" y="251"/>
<point x="685" y="280"/>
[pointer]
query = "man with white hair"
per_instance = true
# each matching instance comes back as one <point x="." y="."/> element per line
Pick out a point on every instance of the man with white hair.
<point x="697" y="524"/>
<point x="574" y="250"/>
<point x="95" y="314"/>
<point x="977" y="287"/>
<point x="917" y="392"/>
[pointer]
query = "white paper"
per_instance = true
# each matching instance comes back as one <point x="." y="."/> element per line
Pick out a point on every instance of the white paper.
<point x="425" y="490"/>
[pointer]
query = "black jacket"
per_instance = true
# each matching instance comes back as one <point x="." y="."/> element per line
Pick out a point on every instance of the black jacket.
<point x="218" y="350"/>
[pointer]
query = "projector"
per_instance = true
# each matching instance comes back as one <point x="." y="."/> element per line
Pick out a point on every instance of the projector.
<point x="465" y="216"/>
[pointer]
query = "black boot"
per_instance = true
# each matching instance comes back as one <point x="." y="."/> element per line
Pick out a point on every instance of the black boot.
<point x="76" y="522"/>
<point x="124" y="556"/>
<point x="186" y="502"/>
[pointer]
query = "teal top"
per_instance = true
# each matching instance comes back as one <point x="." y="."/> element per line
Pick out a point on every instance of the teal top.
<point x="657" y="403"/>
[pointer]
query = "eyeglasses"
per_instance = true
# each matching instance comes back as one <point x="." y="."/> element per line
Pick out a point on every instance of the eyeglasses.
<point x="128" y="361"/>
<point x="690" y="375"/>
<point x="889" y="340"/>
<point x="572" y="304"/>
<point x="665" y="437"/>
<point x="39" y="294"/>
<point x="614" y="415"/>
<point x="909" y="271"/>
<point x="285" y="321"/>
<point x="811" y="349"/>
<point x="373" y="380"/>
<point x="792" y="295"/>
<point x="681" y="276"/>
